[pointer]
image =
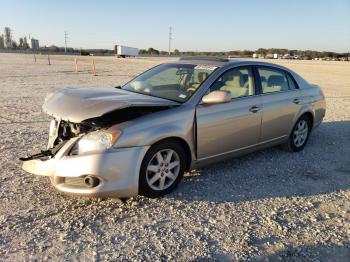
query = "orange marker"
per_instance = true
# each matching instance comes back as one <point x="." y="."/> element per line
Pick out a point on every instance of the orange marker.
<point x="93" y="68"/>
<point x="76" y="65"/>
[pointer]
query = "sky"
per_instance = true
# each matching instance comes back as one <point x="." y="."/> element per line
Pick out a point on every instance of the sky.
<point x="197" y="25"/>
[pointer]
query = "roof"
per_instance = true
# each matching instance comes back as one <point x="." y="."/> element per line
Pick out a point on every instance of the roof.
<point x="204" y="58"/>
<point x="217" y="61"/>
<point x="222" y="61"/>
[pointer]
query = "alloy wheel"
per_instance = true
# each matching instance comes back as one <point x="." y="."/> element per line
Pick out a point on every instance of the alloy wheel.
<point x="163" y="169"/>
<point x="300" y="133"/>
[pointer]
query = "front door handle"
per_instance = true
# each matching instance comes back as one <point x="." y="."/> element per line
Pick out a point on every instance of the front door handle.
<point x="254" y="109"/>
<point x="296" y="101"/>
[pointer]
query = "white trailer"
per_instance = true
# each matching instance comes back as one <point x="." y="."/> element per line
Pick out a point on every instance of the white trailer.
<point x="124" y="51"/>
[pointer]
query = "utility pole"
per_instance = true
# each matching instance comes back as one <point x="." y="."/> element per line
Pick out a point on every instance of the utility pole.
<point x="65" y="41"/>
<point x="170" y="38"/>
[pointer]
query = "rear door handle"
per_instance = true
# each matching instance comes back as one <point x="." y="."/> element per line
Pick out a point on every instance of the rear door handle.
<point x="254" y="109"/>
<point x="296" y="101"/>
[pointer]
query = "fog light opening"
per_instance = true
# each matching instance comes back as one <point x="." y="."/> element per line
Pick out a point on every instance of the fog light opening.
<point x="91" y="181"/>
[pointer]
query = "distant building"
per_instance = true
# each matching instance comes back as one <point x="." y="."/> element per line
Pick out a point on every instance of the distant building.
<point x="34" y="43"/>
<point x="21" y="42"/>
<point x="25" y="43"/>
<point x="271" y="56"/>
<point x="8" y="37"/>
<point x="2" y="43"/>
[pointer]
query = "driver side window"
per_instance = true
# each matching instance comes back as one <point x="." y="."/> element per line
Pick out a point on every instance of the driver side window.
<point x="238" y="81"/>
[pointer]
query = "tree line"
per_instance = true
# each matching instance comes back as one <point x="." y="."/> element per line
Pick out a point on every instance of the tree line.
<point x="305" y="54"/>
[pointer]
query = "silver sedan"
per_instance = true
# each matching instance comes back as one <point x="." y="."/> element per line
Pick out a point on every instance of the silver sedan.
<point x="141" y="137"/>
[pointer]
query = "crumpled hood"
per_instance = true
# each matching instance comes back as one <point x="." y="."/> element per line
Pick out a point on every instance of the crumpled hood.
<point x="78" y="104"/>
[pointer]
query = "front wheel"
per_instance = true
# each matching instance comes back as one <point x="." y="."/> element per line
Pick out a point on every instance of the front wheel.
<point x="300" y="135"/>
<point x="162" y="169"/>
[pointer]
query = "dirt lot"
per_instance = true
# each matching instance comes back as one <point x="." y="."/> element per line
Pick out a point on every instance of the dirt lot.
<point x="269" y="205"/>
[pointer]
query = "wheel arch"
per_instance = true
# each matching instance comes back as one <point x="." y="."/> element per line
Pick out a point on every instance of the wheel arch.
<point x="310" y="116"/>
<point x="288" y="145"/>
<point x="305" y="110"/>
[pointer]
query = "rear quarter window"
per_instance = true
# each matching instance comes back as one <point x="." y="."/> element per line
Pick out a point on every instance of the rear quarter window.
<point x="291" y="82"/>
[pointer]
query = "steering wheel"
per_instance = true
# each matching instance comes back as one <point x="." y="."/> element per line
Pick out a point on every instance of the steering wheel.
<point x="191" y="89"/>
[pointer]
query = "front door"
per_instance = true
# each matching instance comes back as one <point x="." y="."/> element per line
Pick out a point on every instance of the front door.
<point x="227" y="127"/>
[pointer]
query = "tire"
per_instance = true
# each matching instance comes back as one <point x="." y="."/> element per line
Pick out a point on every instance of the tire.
<point x="294" y="143"/>
<point x="162" y="169"/>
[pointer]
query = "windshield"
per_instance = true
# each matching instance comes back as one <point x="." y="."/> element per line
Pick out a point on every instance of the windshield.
<point x="175" y="82"/>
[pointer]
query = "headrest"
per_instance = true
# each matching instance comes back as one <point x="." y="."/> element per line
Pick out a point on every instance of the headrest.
<point x="244" y="79"/>
<point x="276" y="80"/>
<point x="232" y="75"/>
<point x="202" y="76"/>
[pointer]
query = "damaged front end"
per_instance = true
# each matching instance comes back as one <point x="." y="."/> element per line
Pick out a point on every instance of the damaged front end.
<point x="81" y="158"/>
<point x="82" y="136"/>
<point x="61" y="131"/>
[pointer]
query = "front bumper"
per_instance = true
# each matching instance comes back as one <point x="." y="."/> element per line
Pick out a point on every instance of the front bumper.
<point x="117" y="170"/>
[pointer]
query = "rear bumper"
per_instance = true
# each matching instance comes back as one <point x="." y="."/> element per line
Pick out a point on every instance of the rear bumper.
<point x="320" y="112"/>
<point x="116" y="169"/>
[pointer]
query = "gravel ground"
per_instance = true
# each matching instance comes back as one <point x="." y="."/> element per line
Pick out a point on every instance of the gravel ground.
<point x="270" y="205"/>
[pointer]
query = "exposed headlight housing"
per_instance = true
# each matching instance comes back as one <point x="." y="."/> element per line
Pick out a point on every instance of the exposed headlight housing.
<point x="96" y="141"/>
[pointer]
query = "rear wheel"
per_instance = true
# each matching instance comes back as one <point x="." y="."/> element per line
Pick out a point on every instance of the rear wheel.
<point x="300" y="135"/>
<point x="162" y="169"/>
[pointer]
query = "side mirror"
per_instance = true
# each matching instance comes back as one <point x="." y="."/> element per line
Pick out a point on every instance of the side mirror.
<point x="217" y="97"/>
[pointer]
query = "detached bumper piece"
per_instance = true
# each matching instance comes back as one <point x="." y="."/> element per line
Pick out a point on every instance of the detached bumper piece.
<point x="44" y="163"/>
<point x="43" y="154"/>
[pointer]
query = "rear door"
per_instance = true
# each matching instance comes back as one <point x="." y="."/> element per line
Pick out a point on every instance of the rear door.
<point x="227" y="127"/>
<point x="281" y="102"/>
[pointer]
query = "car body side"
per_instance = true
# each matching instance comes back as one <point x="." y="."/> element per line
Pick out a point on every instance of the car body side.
<point x="180" y="122"/>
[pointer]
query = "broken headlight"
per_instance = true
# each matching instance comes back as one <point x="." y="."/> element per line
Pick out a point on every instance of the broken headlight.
<point x="95" y="141"/>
